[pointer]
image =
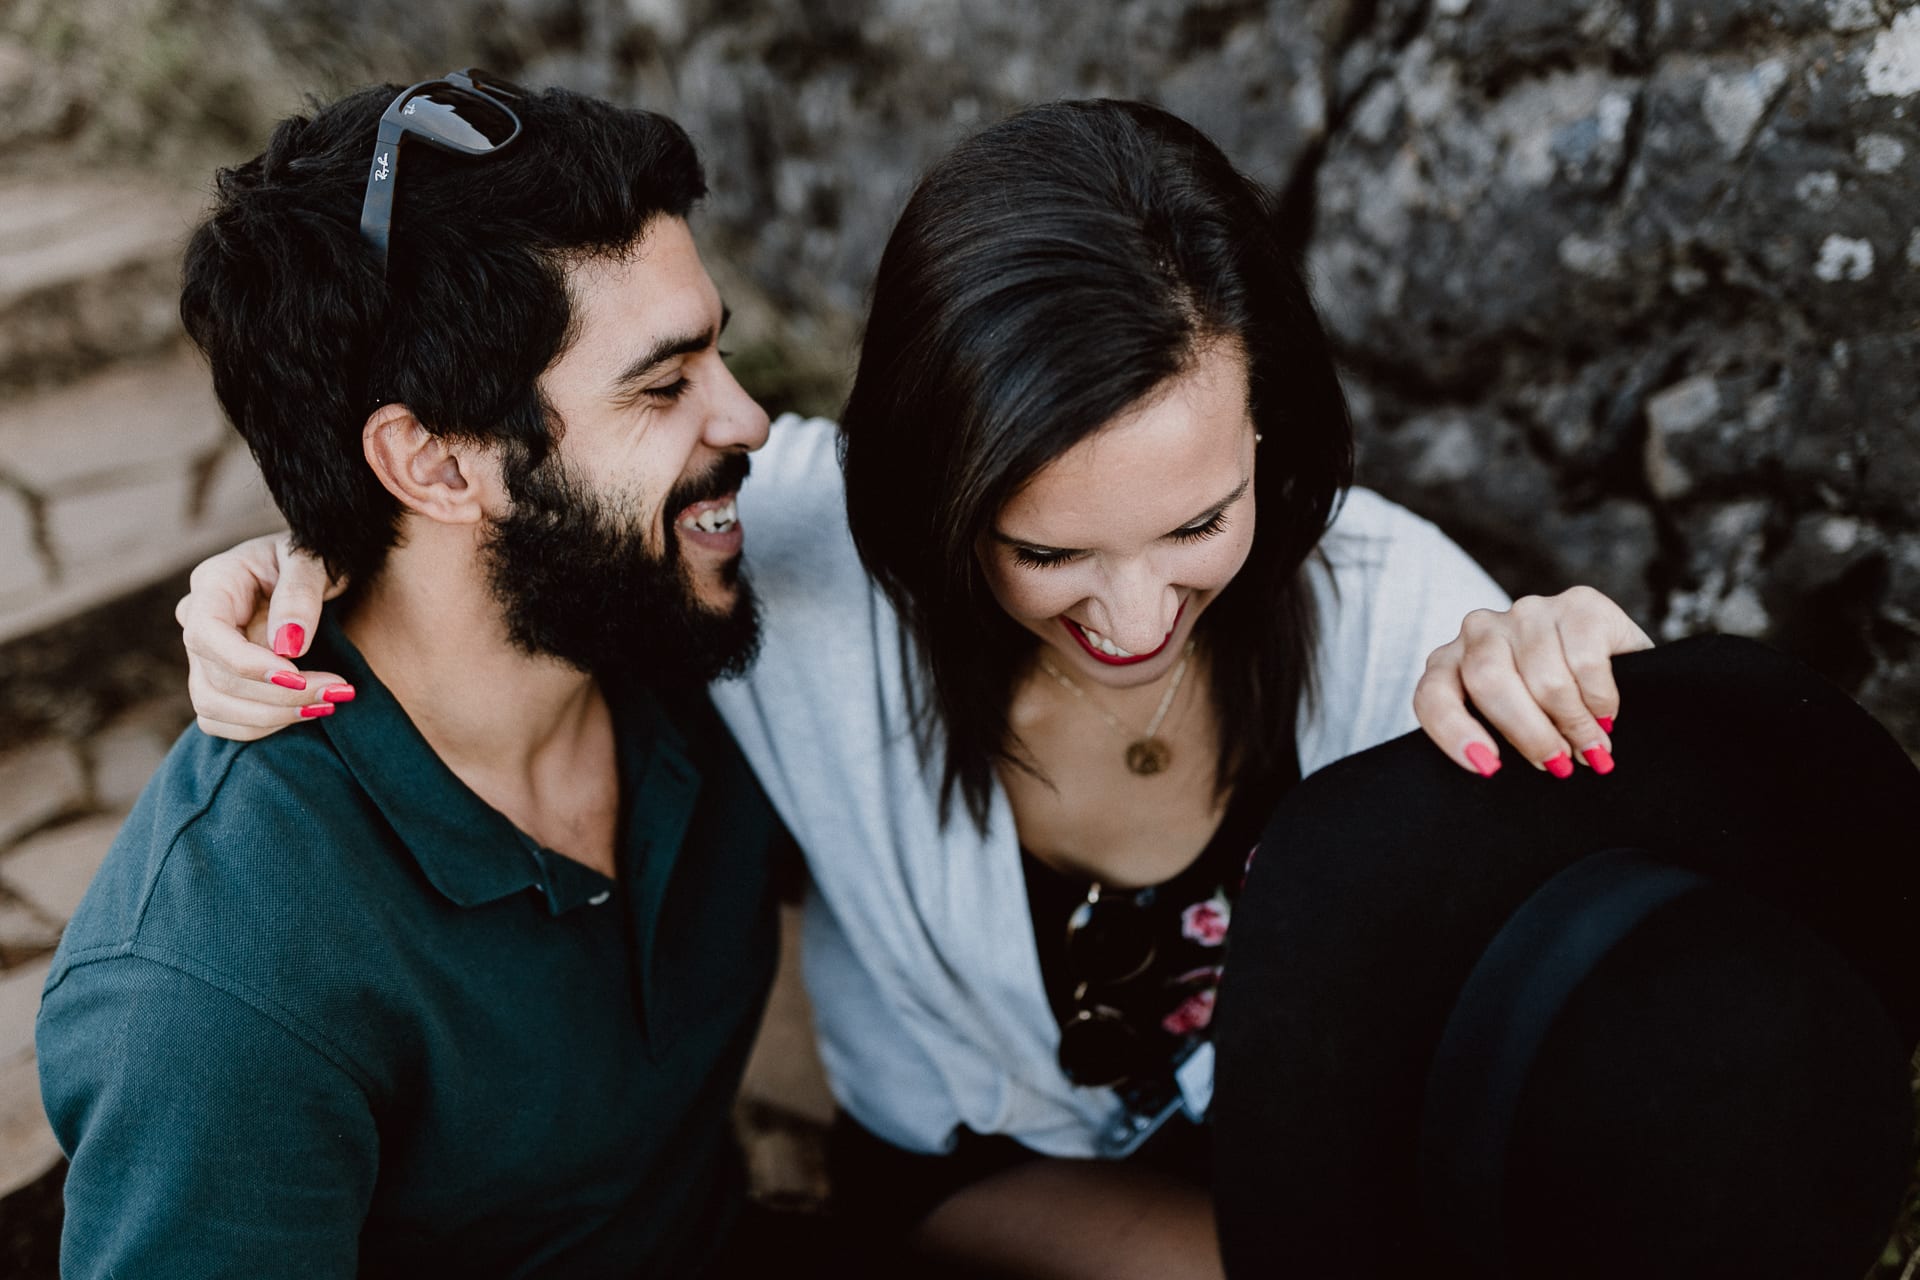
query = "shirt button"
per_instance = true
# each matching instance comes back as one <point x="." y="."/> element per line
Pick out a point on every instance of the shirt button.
<point x="599" y="897"/>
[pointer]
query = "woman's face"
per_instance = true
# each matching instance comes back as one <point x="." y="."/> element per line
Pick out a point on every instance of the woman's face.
<point x="1115" y="548"/>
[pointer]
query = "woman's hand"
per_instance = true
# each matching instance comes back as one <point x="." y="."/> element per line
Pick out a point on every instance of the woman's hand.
<point x="1541" y="673"/>
<point x="242" y="688"/>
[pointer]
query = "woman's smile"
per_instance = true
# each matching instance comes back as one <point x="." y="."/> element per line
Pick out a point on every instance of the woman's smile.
<point x="1101" y="649"/>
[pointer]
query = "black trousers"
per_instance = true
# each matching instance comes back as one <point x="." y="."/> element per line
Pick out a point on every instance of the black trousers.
<point x="1383" y="878"/>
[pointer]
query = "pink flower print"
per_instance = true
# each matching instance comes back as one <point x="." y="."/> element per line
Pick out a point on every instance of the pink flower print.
<point x="1206" y="922"/>
<point x="1194" y="1014"/>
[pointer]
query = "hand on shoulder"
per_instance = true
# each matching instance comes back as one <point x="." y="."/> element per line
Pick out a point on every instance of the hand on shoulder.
<point x="248" y="613"/>
<point x="1541" y="672"/>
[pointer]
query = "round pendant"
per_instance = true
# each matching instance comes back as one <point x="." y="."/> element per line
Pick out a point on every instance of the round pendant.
<point x="1148" y="756"/>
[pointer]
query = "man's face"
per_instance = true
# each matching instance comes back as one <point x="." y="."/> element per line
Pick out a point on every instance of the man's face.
<point x="622" y="547"/>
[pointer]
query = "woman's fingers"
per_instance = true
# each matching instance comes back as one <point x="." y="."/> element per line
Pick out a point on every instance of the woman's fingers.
<point x="283" y="686"/>
<point x="250" y="714"/>
<point x="240" y="687"/>
<point x="234" y="732"/>
<point x="1440" y="701"/>
<point x="294" y="613"/>
<point x="1591" y="632"/>
<point x="1491" y="675"/>
<point x="1541" y="673"/>
<point x="1574" y="688"/>
<point x="225" y="597"/>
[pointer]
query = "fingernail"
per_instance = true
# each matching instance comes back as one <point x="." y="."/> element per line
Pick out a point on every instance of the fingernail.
<point x="1561" y="766"/>
<point x="316" y="710"/>
<point x="1606" y="723"/>
<point x="1598" y="757"/>
<point x="288" y="679"/>
<point x="338" y="693"/>
<point x="1481" y="757"/>
<point x="287" y="643"/>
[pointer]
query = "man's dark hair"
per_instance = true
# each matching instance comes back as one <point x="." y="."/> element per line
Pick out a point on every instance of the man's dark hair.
<point x="306" y="338"/>
<point x="1049" y="274"/>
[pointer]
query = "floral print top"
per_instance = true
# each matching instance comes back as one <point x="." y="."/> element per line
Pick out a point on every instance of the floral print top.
<point x="1171" y="1004"/>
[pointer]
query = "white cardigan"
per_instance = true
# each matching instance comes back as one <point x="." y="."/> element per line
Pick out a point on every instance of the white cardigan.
<point x="918" y="945"/>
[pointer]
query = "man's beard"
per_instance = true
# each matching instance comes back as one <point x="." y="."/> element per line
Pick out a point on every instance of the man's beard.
<point x="576" y="581"/>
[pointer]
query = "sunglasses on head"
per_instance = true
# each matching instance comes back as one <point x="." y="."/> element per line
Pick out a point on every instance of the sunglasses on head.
<point x="465" y="112"/>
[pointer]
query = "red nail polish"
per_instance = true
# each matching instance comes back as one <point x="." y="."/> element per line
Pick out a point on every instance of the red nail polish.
<point x="1483" y="759"/>
<point x="1561" y="766"/>
<point x="288" y="679"/>
<point x="338" y="693"/>
<point x="287" y="643"/>
<point x="316" y="710"/>
<point x="1598" y="757"/>
<point x="1606" y="723"/>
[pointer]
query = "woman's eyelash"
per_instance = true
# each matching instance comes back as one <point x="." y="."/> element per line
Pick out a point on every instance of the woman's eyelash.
<point x="1027" y="557"/>
<point x="1031" y="559"/>
<point x="1201" y="532"/>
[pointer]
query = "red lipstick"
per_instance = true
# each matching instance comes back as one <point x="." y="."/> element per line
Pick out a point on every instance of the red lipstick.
<point x="1074" y="630"/>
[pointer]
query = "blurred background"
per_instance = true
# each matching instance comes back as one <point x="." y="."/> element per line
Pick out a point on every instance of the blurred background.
<point x="1627" y="292"/>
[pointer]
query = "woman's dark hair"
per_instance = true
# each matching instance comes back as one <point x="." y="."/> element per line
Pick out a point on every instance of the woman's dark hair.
<point x="1047" y="275"/>
<point x="305" y="337"/>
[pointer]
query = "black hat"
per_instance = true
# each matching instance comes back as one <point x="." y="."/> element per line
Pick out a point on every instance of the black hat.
<point x="1655" y="1023"/>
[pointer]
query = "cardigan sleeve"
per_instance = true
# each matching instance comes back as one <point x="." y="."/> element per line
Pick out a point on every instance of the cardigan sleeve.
<point x="1391" y="589"/>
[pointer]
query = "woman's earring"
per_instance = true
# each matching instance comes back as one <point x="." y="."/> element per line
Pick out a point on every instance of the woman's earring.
<point x="1257" y="437"/>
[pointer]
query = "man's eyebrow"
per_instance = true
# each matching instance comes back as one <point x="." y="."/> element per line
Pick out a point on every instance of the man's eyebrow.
<point x="1212" y="511"/>
<point x="668" y="348"/>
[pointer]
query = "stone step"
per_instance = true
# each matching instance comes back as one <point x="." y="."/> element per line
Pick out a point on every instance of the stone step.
<point x="116" y="480"/>
<point x="89" y="270"/>
<point x="50" y="871"/>
<point x="27" y="1148"/>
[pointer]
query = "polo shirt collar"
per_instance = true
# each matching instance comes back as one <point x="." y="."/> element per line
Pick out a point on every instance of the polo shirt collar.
<point x="468" y="850"/>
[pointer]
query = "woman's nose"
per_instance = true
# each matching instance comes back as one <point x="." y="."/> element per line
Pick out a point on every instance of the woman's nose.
<point x="1137" y="616"/>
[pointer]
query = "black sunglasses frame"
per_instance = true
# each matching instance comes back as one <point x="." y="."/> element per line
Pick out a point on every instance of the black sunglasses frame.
<point x="1098" y="1046"/>
<point x="396" y="125"/>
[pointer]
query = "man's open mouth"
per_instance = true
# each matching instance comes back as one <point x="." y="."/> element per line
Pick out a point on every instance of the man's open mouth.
<point x="714" y="523"/>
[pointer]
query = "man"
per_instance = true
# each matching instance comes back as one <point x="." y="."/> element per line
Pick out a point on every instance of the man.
<point x="463" y="984"/>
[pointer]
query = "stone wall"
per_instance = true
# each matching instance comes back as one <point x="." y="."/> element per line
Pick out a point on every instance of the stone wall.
<point x="1628" y="290"/>
<point x="1629" y="293"/>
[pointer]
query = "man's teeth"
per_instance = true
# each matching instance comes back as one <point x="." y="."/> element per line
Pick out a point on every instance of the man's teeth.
<point x="1103" y="644"/>
<point x="714" y="519"/>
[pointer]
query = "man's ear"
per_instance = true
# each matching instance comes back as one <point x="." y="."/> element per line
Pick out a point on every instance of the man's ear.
<point x="446" y="480"/>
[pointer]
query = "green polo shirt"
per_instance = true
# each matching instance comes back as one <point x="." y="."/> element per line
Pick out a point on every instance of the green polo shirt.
<point x="325" y="1013"/>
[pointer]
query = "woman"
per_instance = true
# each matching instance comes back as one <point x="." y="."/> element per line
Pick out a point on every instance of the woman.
<point x="1097" y="462"/>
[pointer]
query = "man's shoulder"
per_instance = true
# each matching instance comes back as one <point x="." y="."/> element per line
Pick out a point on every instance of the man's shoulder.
<point x="227" y="844"/>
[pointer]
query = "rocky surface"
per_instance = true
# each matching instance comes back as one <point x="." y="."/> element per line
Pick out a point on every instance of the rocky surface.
<point x="1626" y="288"/>
<point x="1628" y="292"/>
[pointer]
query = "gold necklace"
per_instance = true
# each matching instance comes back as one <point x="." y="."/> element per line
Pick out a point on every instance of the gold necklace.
<point x="1146" y="754"/>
